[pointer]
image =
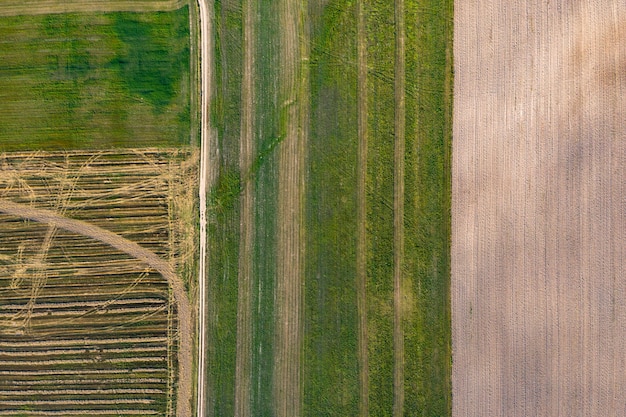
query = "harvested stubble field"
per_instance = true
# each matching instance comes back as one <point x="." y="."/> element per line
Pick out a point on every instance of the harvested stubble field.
<point x="87" y="325"/>
<point x="539" y="214"/>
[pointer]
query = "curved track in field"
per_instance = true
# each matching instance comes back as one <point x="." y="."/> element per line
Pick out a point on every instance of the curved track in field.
<point x="137" y="252"/>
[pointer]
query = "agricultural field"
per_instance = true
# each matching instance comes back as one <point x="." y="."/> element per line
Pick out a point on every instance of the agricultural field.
<point x="89" y="326"/>
<point x="98" y="207"/>
<point x="32" y="7"/>
<point x="329" y="209"/>
<point x="539" y="214"/>
<point x="102" y="80"/>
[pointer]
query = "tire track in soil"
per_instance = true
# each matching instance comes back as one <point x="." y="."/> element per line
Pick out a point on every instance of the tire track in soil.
<point x="209" y="166"/>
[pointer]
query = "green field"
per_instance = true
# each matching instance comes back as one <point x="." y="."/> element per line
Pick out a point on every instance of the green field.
<point x="95" y="80"/>
<point x="330" y="364"/>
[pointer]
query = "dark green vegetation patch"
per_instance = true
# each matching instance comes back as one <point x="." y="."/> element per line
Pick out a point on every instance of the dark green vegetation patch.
<point x="94" y="80"/>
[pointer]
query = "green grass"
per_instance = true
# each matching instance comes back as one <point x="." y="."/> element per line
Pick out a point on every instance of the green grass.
<point x="330" y="365"/>
<point x="330" y="368"/>
<point x="94" y="80"/>
<point x="331" y="384"/>
<point x="224" y="209"/>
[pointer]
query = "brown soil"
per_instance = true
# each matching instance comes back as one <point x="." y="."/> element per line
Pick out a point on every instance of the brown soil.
<point x="538" y="209"/>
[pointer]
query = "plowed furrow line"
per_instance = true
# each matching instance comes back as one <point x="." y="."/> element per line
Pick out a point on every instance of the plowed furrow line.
<point x="82" y="382"/>
<point x="26" y="402"/>
<point x="79" y="342"/>
<point x="59" y="392"/>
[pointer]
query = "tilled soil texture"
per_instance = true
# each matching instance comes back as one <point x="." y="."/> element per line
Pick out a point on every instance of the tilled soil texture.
<point x="538" y="219"/>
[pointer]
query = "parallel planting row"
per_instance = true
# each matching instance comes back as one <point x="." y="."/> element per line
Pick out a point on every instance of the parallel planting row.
<point x="86" y="328"/>
<point x="329" y="219"/>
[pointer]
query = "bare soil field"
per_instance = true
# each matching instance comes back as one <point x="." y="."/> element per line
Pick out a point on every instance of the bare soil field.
<point x="94" y="313"/>
<point x="538" y="212"/>
<point x="32" y="7"/>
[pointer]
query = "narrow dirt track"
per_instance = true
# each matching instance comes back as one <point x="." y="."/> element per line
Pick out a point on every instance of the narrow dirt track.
<point x="37" y="7"/>
<point x="209" y="167"/>
<point x="243" y="366"/>
<point x="398" y="211"/>
<point x="539" y="215"/>
<point x="290" y="237"/>
<point x="361" y="243"/>
<point x="142" y="254"/>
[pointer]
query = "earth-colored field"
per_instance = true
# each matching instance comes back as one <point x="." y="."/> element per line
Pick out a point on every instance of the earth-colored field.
<point x="539" y="215"/>
<point x="95" y="316"/>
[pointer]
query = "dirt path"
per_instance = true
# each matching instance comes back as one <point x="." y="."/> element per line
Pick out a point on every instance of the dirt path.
<point x="36" y="7"/>
<point x="208" y="174"/>
<point x="398" y="212"/>
<point x="243" y="367"/>
<point x="539" y="215"/>
<point x="361" y="243"/>
<point x="290" y="240"/>
<point x="142" y="254"/>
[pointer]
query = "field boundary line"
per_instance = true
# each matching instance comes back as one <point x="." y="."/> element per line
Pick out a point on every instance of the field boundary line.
<point x="140" y="253"/>
<point x="398" y="211"/>
<point x="361" y="244"/>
